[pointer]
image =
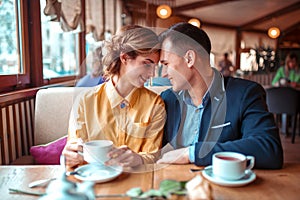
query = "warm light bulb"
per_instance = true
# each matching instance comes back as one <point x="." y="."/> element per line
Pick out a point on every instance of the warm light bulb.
<point x="195" y="22"/>
<point x="274" y="32"/>
<point x="163" y="11"/>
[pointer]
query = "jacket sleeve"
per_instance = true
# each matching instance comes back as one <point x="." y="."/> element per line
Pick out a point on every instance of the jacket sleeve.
<point x="252" y="130"/>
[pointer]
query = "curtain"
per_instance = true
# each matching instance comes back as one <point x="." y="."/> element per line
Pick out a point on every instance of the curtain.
<point x="67" y="12"/>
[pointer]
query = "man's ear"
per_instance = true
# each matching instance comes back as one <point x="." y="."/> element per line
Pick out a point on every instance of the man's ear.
<point x="190" y="57"/>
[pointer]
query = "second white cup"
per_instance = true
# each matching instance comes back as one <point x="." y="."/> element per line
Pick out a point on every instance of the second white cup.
<point x="231" y="165"/>
<point x="95" y="151"/>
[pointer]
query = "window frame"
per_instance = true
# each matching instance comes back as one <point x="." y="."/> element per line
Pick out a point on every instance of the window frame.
<point x="14" y="80"/>
<point x="31" y="51"/>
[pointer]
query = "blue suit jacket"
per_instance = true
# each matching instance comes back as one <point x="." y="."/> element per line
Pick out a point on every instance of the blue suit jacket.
<point x="236" y="119"/>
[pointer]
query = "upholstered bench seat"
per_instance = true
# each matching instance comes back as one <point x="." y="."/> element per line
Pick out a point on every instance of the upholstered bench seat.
<point x="52" y="110"/>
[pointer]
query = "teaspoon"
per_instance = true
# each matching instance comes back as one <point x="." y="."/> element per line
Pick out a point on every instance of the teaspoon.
<point x="40" y="183"/>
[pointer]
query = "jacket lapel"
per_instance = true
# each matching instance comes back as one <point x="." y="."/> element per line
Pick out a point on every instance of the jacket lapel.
<point x="215" y="111"/>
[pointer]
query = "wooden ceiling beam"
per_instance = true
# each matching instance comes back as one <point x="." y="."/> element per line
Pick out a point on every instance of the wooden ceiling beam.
<point x="200" y="4"/>
<point x="186" y="18"/>
<point x="278" y="13"/>
<point x="291" y="28"/>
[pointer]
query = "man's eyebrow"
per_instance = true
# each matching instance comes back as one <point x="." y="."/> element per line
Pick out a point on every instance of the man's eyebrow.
<point x="163" y="61"/>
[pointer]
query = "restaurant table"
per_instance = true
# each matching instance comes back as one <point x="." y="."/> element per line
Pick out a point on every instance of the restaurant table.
<point x="269" y="184"/>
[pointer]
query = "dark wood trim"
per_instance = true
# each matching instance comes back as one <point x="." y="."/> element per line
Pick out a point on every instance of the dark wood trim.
<point x="11" y="97"/>
<point x="104" y="17"/>
<point x="200" y="4"/>
<point x="280" y="12"/>
<point x="61" y="80"/>
<point x="291" y="28"/>
<point x="205" y="23"/>
<point x="24" y="79"/>
<point x="26" y="125"/>
<point x="115" y="16"/>
<point x="2" y="150"/>
<point x="82" y="53"/>
<point x="238" y="40"/>
<point x="32" y="52"/>
<point x="18" y="141"/>
<point x="35" y="43"/>
<point x="9" y="136"/>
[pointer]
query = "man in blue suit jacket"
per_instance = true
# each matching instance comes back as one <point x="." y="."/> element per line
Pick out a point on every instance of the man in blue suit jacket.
<point x="207" y="113"/>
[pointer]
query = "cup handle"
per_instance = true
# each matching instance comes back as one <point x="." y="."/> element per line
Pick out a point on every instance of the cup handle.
<point x="252" y="161"/>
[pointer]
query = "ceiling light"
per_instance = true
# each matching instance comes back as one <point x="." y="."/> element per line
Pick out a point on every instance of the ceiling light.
<point x="274" y="32"/>
<point x="164" y="11"/>
<point x="195" y="22"/>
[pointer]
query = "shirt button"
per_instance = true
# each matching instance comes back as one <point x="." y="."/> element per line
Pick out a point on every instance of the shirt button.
<point x="122" y="105"/>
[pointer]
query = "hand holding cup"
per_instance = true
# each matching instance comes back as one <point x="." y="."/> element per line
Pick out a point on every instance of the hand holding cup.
<point x="96" y="151"/>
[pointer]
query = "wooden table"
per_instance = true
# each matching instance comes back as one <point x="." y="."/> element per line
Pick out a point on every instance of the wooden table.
<point x="269" y="184"/>
<point x="18" y="177"/>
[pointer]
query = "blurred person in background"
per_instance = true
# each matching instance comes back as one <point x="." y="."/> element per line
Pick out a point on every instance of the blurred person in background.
<point x="288" y="75"/>
<point x="96" y="76"/>
<point x="226" y="66"/>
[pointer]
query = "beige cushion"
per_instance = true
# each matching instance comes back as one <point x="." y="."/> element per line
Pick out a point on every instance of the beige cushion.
<point x="52" y="110"/>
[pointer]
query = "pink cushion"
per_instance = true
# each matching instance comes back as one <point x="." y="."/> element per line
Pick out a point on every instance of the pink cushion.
<point x="49" y="154"/>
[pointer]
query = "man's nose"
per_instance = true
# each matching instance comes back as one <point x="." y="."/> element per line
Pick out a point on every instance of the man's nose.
<point x="164" y="72"/>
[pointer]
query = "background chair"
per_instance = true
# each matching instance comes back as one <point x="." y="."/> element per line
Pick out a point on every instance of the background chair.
<point x="284" y="101"/>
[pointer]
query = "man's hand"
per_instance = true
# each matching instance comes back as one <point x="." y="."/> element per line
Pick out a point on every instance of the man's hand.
<point x="178" y="156"/>
<point x="124" y="157"/>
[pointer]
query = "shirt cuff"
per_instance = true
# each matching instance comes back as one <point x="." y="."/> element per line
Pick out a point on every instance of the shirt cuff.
<point x="192" y="153"/>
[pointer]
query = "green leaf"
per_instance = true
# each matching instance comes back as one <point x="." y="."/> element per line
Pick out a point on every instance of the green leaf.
<point x="151" y="193"/>
<point x="180" y="192"/>
<point x="168" y="187"/>
<point x="134" y="192"/>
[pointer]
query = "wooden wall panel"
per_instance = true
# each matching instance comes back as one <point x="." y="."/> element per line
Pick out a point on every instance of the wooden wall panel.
<point x="16" y="125"/>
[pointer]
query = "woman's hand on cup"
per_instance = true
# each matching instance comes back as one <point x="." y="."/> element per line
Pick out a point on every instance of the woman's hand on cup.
<point x="124" y="157"/>
<point x="73" y="158"/>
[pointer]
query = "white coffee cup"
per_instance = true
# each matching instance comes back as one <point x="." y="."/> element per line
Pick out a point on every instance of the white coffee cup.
<point x="231" y="165"/>
<point x="95" y="151"/>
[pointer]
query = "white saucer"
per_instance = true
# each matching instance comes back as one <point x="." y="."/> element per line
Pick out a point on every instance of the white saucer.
<point x="248" y="178"/>
<point x="97" y="173"/>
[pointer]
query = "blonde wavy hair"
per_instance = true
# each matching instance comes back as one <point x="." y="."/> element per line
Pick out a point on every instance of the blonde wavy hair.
<point x="132" y="40"/>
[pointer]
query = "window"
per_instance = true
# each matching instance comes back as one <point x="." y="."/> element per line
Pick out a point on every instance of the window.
<point x="9" y="39"/>
<point x="13" y="70"/>
<point x="31" y="55"/>
<point x="248" y="61"/>
<point x="59" y="49"/>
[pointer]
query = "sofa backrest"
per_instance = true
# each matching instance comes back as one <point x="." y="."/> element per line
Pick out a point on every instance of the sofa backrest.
<point x="52" y="110"/>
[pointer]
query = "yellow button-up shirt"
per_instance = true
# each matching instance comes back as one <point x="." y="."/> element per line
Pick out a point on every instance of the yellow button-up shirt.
<point x="136" y="120"/>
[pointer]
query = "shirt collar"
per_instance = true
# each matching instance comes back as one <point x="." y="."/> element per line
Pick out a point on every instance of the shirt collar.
<point x="214" y="90"/>
<point x="116" y="99"/>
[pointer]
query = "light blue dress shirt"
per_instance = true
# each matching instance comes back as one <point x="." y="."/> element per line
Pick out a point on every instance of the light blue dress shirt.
<point x="191" y="117"/>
